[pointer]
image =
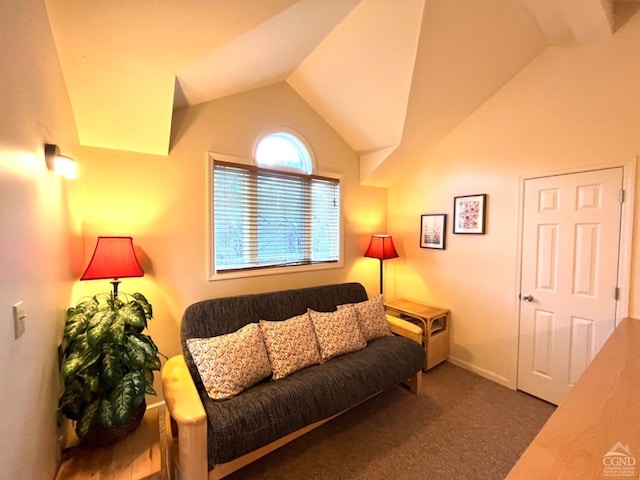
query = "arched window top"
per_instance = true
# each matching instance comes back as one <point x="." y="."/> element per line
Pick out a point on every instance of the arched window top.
<point x="284" y="150"/>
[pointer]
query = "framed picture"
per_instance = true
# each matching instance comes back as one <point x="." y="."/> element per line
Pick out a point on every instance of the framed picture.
<point x="469" y="213"/>
<point x="433" y="230"/>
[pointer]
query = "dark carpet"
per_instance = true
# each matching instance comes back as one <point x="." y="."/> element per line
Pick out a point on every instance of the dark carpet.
<point x="461" y="426"/>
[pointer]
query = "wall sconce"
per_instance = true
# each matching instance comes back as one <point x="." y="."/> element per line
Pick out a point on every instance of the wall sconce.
<point x="58" y="163"/>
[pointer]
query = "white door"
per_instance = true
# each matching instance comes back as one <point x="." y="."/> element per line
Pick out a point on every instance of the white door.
<point x="570" y="247"/>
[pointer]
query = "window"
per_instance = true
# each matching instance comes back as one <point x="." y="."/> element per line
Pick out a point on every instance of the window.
<point x="266" y="218"/>
<point x="283" y="149"/>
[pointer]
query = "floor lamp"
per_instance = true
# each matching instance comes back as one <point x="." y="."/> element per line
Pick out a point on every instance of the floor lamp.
<point x="381" y="247"/>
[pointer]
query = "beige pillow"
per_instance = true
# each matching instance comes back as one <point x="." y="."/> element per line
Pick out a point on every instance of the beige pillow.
<point x="371" y="317"/>
<point x="337" y="332"/>
<point x="291" y="345"/>
<point x="231" y="363"/>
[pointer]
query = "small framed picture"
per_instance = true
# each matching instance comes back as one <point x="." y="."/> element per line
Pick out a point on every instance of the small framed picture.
<point x="433" y="230"/>
<point x="469" y="213"/>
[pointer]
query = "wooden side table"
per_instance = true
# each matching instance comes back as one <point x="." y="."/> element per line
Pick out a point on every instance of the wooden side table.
<point x="137" y="456"/>
<point x="434" y="322"/>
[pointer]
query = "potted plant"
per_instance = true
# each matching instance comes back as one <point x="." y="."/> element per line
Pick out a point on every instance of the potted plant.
<point x="107" y="366"/>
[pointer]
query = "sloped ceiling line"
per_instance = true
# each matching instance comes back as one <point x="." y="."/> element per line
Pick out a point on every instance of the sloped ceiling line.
<point x="353" y="61"/>
<point x="265" y="55"/>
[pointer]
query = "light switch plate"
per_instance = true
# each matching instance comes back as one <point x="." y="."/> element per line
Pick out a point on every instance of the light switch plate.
<point x="18" y="319"/>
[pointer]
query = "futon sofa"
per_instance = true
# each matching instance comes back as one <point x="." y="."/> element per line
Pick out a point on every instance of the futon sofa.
<point x="214" y="427"/>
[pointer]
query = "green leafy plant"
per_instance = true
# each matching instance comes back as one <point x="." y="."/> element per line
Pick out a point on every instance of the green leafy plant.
<point x="107" y="362"/>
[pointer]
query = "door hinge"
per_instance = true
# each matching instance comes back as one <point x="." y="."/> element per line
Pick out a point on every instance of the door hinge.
<point x="616" y="293"/>
<point x="621" y="196"/>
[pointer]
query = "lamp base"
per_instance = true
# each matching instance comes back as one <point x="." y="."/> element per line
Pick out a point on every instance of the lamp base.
<point x="115" y="282"/>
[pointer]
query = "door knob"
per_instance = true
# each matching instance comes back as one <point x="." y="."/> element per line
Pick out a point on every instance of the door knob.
<point x="527" y="298"/>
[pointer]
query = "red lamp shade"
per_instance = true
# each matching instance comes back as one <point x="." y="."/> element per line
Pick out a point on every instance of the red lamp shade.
<point x="381" y="247"/>
<point x="115" y="258"/>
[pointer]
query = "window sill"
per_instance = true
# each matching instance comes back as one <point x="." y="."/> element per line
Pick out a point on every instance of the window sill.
<point x="215" y="277"/>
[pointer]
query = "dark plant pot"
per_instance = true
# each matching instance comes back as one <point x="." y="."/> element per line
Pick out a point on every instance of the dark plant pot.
<point x="101" y="436"/>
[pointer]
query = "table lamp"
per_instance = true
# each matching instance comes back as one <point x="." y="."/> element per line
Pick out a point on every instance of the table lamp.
<point x="115" y="258"/>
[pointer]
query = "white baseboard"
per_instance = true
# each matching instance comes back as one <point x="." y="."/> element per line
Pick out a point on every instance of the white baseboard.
<point x="481" y="371"/>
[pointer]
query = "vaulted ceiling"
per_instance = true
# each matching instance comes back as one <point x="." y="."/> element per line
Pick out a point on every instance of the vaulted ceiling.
<point x="392" y="77"/>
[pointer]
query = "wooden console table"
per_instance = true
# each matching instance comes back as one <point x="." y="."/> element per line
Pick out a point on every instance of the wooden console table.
<point x="433" y="321"/>
<point x="595" y="432"/>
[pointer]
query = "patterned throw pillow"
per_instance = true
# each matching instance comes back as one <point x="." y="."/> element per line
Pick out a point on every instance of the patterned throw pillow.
<point x="372" y="318"/>
<point x="291" y="344"/>
<point x="337" y="332"/>
<point x="231" y="363"/>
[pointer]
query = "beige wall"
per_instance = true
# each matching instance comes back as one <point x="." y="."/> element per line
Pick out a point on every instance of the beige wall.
<point x="162" y="203"/>
<point x="570" y="108"/>
<point x="35" y="239"/>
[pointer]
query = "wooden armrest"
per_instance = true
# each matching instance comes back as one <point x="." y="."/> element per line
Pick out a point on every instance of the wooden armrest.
<point x="404" y="328"/>
<point x="180" y="393"/>
<point x="185" y="408"/>
<point x="412" y="332"/>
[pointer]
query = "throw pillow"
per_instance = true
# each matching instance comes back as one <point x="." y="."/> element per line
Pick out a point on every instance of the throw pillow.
<point x="337" y="332"/>
<point x="372" y="318"/>
<point x="231" y="363"/>
<point x="291" y="345"/>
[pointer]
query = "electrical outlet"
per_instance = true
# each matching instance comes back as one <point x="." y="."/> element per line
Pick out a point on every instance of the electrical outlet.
<point x="18" y="319"/>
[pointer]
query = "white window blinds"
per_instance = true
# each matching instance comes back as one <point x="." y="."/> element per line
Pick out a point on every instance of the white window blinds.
<point x="265" y="218"/>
